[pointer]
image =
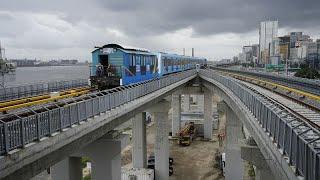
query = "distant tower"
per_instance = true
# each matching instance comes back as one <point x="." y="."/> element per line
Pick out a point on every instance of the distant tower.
<point x="267" y="31"/>
<point x="184" y="51"/>
<point x="0" y="51"/>
<point x="192" y="52"/>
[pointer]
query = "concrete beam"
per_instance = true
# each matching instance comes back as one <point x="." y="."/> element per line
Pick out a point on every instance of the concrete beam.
<point x="139" y="141"/>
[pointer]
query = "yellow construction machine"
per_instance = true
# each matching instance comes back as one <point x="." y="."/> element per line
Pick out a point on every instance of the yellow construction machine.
<point x="186" y="134"/>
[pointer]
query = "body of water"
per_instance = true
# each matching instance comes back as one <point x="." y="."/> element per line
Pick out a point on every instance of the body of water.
<point x="27" y="75"/>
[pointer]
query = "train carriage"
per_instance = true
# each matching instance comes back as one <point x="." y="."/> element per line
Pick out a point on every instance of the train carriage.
<point x="114" y="65"/>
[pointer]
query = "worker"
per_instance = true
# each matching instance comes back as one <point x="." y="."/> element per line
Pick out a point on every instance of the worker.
<point x="99" y="70"/>
<point x="221" y="138"/>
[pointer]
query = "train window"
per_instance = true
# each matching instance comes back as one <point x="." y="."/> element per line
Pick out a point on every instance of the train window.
<point x="133" y="63"/>
<point x="143" y="63"/>
<point x="130" y="60"/>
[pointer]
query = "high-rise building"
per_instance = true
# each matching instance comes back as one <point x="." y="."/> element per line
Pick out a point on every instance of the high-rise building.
<point x="247" y="51"/>
<point x="274" y="47"/>
<point x="318" y="48"/>
<point x="284" y="46"/>
<point x="267" y="31"/>
<point x="255" y="53"/>
<point x="294" y="37"/>
<point x="312" y="54"/>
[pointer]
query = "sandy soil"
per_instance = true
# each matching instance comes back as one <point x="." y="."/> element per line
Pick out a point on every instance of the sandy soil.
<point x="194" y="162"/>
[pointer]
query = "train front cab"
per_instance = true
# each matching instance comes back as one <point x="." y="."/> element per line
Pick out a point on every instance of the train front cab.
<point x="106" y="69"/>
<point x="114" y="65"/>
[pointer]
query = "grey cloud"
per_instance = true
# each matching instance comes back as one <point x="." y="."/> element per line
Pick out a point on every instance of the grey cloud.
<point x="138" y="17"/>
<point x="82" y="24"/>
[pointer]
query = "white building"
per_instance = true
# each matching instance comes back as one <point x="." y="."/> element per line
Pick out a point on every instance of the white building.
<point x="267" y="31"/>
<point x="275" y="47"/>
<point x="298" y="54"/>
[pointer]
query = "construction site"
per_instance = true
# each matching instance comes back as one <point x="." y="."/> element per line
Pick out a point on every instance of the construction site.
<point x="193" y="156"/>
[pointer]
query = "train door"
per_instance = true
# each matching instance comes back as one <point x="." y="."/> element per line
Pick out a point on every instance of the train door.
<point x="104" y="61"/>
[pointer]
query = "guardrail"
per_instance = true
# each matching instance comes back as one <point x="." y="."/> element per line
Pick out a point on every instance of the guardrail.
<point x="27" y="90"/>
<point x="294" y="137"/>
<point x="21" y="131"/>
<point x="308" y="85"/>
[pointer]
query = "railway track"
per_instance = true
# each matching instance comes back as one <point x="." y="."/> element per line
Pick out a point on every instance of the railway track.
<point x="310" y="100"/>
<point x="306" y="85"/>
<point x="286" y="105"/>
<point x="7" y="106"/>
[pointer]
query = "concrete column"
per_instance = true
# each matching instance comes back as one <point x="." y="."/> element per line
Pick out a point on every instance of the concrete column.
<point x="176" y="114"/>
<point x="234" y="163"/>
<point x="215" y="121"/>
<point x="161" y="148"/>
<point x="105" y="155"/>
<point x="207" y="124"/>
<point x="251" y="153"/>
<point x="186" y="102"/>
<point x="68" y="169"/>
<point x="200" y="103"/>
<point x="139" y="141"/>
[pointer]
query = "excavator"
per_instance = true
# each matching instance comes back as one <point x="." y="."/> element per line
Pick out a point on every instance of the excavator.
<point x="186" y="134"/>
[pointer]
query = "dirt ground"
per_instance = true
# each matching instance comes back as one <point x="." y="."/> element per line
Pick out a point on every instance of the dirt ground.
<point x="194" y="162"/>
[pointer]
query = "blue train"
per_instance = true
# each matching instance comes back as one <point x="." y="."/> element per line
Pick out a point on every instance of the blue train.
<point x="114" y="65"/>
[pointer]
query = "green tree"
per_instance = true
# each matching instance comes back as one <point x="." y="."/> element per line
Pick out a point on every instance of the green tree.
<point x="307" y="72"/>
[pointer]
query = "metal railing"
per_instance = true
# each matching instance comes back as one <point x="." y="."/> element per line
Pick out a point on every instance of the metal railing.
<point x="293" y="136"/>
<point x="27" y="90"/>
<point x="21" y="131"/>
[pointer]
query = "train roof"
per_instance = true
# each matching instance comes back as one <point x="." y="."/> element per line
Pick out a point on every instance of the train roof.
<point x="123" y="47"/>
<point x="137" y="50"/>
<point x="180" y="56"/>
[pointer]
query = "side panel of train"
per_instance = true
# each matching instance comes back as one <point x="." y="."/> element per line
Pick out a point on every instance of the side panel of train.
<point x="171" y="63"/>
<point x="139" y="67"/>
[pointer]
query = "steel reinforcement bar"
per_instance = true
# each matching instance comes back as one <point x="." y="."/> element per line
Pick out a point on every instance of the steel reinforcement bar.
<point x="296" y="139"/>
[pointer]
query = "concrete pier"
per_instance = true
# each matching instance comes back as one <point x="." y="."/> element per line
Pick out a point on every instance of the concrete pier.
<point x="252" y="153"/>
<point x="176" y="114"/>
<point x="234" y="163"/>
<point x="207" y="124"/>
<point x="139" y="149"/>
<point x="186" y="102"/>
<point x="68" y="169"/>
<point x="161" y="148"/>
<point x="105" y="156"/>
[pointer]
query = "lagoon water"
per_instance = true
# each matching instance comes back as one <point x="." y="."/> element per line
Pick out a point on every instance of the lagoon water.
<point x="27" y="75"/>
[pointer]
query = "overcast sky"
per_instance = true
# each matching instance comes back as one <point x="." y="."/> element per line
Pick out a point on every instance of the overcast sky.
<point x="215" y="28"/>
